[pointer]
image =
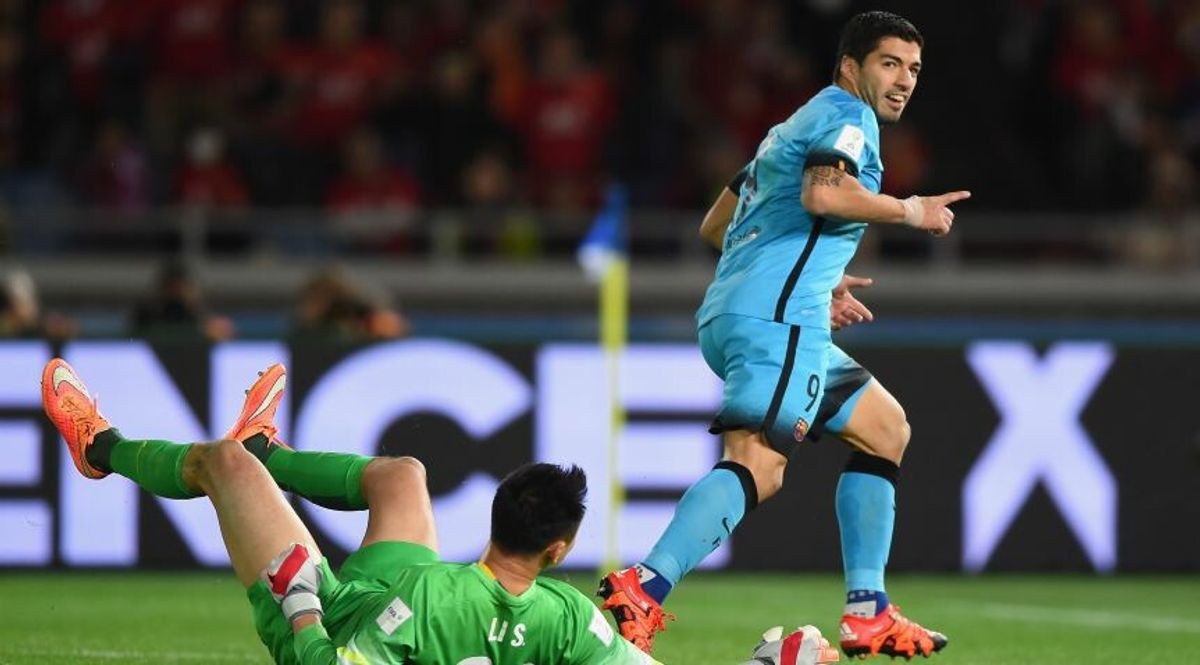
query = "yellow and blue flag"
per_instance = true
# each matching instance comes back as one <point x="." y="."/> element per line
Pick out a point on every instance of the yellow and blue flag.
<point x="608" y="239"/>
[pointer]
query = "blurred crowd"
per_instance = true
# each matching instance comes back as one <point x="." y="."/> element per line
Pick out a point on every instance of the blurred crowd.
<point x="127" y="104"/>
<point x="1114" y="116"/>
<point x="331" y="306"/>
<point x="394" y="105"/>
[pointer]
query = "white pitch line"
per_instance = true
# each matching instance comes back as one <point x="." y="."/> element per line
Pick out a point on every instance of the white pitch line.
<point x="1077" y="617"/>
<point x="124" y="656"/>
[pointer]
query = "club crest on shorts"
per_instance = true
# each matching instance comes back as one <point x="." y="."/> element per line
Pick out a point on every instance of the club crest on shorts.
<point x="800" y="430"/>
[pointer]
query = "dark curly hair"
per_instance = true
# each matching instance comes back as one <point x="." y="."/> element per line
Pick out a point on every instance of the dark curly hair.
<point x="862" y="34"/>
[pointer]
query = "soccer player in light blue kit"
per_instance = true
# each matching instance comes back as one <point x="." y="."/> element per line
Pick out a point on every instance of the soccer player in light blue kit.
<point x="787" y="228"/>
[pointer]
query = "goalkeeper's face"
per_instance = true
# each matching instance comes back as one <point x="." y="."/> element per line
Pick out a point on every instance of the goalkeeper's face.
<point x="887" y="77"/>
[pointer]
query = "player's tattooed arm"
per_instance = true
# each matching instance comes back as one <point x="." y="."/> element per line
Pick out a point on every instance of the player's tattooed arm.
<point x="828" y="190"/>
<point x="827" y="176"/>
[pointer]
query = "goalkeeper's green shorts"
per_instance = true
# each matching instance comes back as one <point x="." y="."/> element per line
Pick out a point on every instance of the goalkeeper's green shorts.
<point x="365" y="573"/>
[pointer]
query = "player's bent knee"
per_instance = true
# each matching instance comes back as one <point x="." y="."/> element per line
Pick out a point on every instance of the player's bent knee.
<point x="895" y="440"/>
<point x="412" y="464"/>
<point x="388" y="474"/>
<point x="769" y="480"/>
<point x="767" y="472"/>
<point x="227" y="458"/>
<point x="884" y="435"/>
<point x="765" y="464"/>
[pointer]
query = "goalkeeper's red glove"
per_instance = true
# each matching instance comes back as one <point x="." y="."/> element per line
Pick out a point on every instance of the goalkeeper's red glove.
<point x="803" y="646"/>
<point x="294" y="579"/>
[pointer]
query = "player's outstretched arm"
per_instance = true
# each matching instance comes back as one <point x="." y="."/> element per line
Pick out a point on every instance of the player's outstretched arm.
<point x="716" y="220"/>
<point x="831" y="191"/>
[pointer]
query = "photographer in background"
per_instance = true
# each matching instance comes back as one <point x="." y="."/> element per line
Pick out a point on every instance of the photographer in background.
<point x="333" y="307"/>
<point x="175" y="310"/>
<point x="20" y="311"/>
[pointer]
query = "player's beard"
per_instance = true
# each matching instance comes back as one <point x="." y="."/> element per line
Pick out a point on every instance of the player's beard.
<point x="884" y="111"/>
<point x="874" y="93"/>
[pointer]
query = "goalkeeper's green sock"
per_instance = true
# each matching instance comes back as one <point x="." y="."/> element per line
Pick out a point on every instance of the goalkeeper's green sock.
<point x="157" y="466"/>
<point x="332" y="480"/>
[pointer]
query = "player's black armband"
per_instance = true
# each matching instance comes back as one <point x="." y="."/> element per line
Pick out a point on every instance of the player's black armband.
<point x="839" y="162"/>
<point x="735" y="185"/>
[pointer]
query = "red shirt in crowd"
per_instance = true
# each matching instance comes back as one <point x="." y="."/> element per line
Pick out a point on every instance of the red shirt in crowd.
<point x="338" y="88"/>
<point x="193" y="37"/>
<point x="564" y="123"/>
<point x="213" y="186"/>
<point x="85" y="32"/>
<point x="390" y="188"/>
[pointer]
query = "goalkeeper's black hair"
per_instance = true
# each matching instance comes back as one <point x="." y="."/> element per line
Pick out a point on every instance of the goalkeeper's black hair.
<point x="863" y="32"/>
<point x="536" y="505"/>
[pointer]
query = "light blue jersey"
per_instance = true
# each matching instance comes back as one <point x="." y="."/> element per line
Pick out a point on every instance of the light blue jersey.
<point x="780" y="263"/>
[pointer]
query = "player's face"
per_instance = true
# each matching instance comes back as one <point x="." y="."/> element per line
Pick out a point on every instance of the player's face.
<point x="888" y="76"/>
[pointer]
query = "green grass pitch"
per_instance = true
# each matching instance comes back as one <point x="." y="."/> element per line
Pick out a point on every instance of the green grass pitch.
<point x="71" y="618"/>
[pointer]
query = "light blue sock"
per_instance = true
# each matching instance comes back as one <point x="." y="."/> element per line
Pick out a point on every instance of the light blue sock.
<point x="866" y="511"/>
<point x="706" y="515"/>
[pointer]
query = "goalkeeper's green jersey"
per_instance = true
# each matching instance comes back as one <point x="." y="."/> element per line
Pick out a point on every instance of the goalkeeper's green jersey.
<point x="458" y="614"/>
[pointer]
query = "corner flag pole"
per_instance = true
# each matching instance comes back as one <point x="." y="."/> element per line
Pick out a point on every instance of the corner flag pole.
<point x="604" y="256"/>
<point x="614" y="331"/>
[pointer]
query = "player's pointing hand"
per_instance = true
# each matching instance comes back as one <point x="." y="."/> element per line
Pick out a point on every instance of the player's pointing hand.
<point x="932" y="213"/>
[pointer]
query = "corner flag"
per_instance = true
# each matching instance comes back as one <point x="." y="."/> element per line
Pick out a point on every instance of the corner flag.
<point x="608" y="239"/>
<point x="604" y="255"/>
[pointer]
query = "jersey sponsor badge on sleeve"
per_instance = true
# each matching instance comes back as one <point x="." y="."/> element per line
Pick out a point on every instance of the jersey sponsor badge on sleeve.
<point x="850" y="142"/>
<point x="395" y="614"/>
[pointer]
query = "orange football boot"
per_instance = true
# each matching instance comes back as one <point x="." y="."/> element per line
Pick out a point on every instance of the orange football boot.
<point x="637" y="614"/>
<point x="889" y="633"/>
<point x="262" y="401"/>
<point x="74" y="412"/>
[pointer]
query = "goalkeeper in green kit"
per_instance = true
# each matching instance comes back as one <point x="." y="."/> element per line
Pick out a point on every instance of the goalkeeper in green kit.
<point x="392" y="601"/>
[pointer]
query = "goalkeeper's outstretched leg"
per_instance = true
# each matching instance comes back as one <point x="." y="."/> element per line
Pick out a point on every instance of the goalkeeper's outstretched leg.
<point x="256" y="523"/>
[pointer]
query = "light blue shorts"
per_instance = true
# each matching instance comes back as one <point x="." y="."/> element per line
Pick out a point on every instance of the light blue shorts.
<point x="783" y="380"/>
